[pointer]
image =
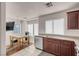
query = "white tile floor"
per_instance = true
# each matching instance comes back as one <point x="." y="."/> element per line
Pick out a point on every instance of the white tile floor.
<point x="31" y="51"/>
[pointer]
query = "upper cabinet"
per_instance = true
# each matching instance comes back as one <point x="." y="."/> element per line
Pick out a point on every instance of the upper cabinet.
<point x="73" y="20"/>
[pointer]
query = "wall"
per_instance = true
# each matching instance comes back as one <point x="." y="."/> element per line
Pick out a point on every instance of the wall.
<point x="2" y="29"/>
<point x="23" y="27"/>
<point x="58" y="15"/>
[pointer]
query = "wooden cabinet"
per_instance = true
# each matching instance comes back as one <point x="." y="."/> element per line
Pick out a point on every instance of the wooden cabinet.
<point x="67" y="47"/>
<point x="47" y="46"/>
<point x="55" y="47"/>
<point x="51" y="46"/>
<point x="73" y="20"/>
<point x="59" y="47"/>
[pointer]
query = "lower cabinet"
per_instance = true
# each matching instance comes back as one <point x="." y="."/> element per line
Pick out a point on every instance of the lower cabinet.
<point x="59" y="47"/>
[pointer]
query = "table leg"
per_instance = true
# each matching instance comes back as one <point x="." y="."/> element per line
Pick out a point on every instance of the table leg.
<point x="11" y="43"/>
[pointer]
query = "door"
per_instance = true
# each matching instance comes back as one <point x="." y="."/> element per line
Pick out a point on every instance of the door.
<point x="33" y="30"/>
<point x="36" y="29"/>
<point x="30" y="30"/>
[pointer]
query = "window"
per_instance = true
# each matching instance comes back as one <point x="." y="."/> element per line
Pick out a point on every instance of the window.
<point x="48" y="27"/>
<point x="36" y="29"/>
<point x="30" y="29"/>
<point x="59" y="26"/>
<point x="17" y="28"/>
<point x="33" y="29"/>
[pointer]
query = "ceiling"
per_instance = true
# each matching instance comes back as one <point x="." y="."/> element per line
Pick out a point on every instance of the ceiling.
<point x="34" y="9"/>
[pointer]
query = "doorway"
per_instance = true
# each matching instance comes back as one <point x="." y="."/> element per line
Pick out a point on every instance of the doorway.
<point x="33" y="31"/>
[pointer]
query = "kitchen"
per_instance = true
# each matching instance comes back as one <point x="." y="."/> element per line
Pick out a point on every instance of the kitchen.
<point x="71" y="27"/>
<point x="54" y="29"/>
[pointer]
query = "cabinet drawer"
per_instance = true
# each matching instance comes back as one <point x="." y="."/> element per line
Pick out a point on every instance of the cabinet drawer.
<point x="53" y="40"/>
<point x="68" y="43"/>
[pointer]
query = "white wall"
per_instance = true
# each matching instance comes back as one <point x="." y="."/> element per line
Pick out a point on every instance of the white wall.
<point x="23" y="27"/>
<point x="2" y="29"/>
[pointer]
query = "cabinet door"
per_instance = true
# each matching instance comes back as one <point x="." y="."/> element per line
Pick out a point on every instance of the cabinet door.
<point x="52" y="46"/>
<point x="66" y="48"/>
<point x="47" y="45"/>
<point x="55" y="47"/>
<point x="73" y="20"/>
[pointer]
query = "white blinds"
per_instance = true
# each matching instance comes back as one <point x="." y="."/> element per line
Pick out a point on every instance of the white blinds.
<point x="48" y="26"/>
<point x="59" y="26"/>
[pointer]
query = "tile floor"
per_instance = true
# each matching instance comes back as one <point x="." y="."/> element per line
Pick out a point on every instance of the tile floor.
<point x="31" y="51"/>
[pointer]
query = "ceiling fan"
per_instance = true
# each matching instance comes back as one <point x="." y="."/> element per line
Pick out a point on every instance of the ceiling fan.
<point x="49" y="4"/>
